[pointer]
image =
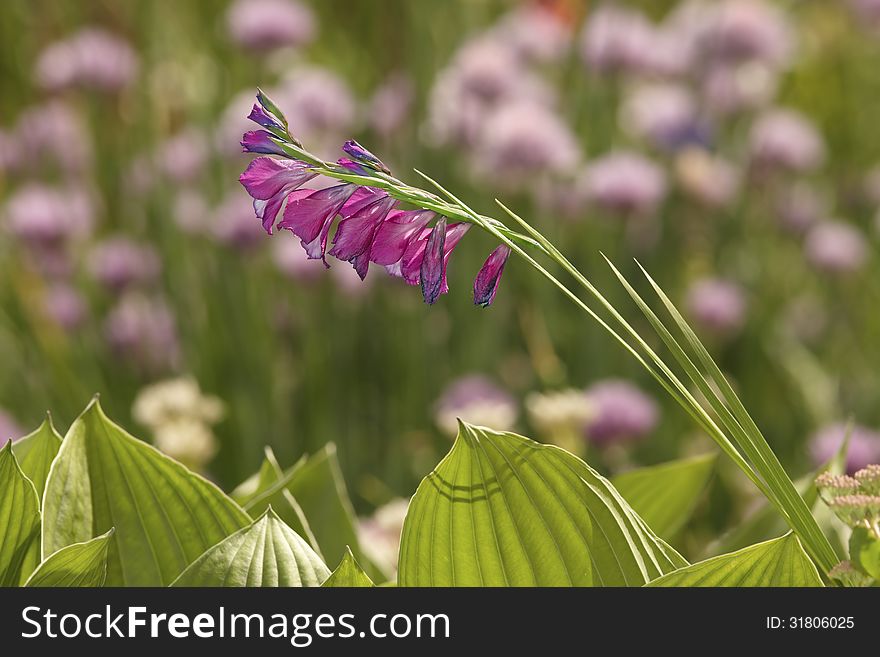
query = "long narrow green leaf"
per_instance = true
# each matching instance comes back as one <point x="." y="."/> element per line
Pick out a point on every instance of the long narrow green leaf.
<point x="786" y="496"/>
<point x="35" y="453"/>
<point x="779" y="562"/>
<point x="77" y="565"/>
<point x="502" y="510"/>
<point x="266" y="553"/>
<point x="165" y="516"/>
<point x="19" y="522"/>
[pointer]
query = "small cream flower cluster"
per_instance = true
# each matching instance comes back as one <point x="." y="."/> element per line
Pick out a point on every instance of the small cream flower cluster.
<point x="180" y="417"/>
<point x="561" y="417"/>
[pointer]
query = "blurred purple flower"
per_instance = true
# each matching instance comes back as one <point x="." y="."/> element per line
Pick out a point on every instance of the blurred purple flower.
<point x="190" y="211"/>
<point x="836" y="247"/>
<point x="786" y="139"/>
<point x="65" y="306"/>
<point x="523" y="139"/>
<point x="118" y="263"/>
<point x="740" y="30"/>
<point x="391" y="103"/>
<point x="616" y="40"/>
<point x="535" y="33"/>
<point x="733" y="88"/>
<point x="489" y="276"/>
<point x="44" y="216"/>
<point x="142" y="331"/>
<point x="868" y="11"/>
<point x="291" y="260"/>
<point x="183" y="157"/>
<point x="664" y="114"/>
<point x="233" y="224"/>
<point x="9" y="429"/>
<point x="623" y="412"/>
<point x="91" y="58"/>
<point x="317" y="102"/>
<point x="624" y="182"/>
<point x="270" y="24"/>
<point x="55" y="131"/>
<point x="717" y="305"/>
<point x="475" y="399"/>
<point x="799" y="207"/>
<point x="864" y="445"/>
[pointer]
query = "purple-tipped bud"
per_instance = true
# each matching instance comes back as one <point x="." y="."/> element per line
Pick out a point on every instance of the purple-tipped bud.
<point x="488" y="278"/>
<point x="433" y="269"/>
<point x="260" y="141"/>
<point x="271" y="108"/>
<point x="362" y="155"/>
<point x="261" y="117"/>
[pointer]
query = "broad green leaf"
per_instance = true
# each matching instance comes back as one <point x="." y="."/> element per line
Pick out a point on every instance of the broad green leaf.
<point x="778" y="562"/>
<point x="665" y="495"/>
<point x="864" y="551"/>
<point x="274" y="492"/>
<point x="19" y="522"/>
<point x="165" y="516"/>
<point x="503" y="510"/>
<point x="35" y="453"/>
<point x="77" y="565"/>
<point x="269" y="473"/>
<point x="348" y="574"/>
<point x="267" y="553"/>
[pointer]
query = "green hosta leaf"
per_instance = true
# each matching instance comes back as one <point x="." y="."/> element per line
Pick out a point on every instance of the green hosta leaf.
<point x="19" y="522"/>
<point x="267" y="553"/>
<point x="348" y="574"/>
<point x="35" y="453"/>
<point x="268" y="474"/>
<point x="165" y="516"/>
<point x="273" y="491"/>
<point x="77" y="565"/>
<point x="665" y="495"/>
<point x="503" y="510"/>
<point x="864" y="551"/>
<point x="316" y="484"/>
<point x="778" y="562"/>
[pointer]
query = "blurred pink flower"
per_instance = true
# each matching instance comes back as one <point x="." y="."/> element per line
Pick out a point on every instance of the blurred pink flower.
<point x="141" y="330"/>
<point x="535" y="33"/>
<point x="390" y="106"/>
<point x="747" y="29"/>
<point x="475" y="399"/>
<point x="717" y="305"/>
<point x="44" y="216"/>
<point x="836" y="247"/>
<point x="91" y="58"/>
<point x="523" y="139"/>
<point x="732" y="88"/>
<point x="664" y="114"/>
<point x="182" y="157"/>
<point x="291" y="260"/>
<point x="118" y="263"/>
<point x="53" y="131"/>
<point x="787" y="139"/>
<point x="864" y="445"/>
<point x="617" y="39"/>
<point x="624" y="182"/>
<point x="799" y="207"/>
<point x="270" y="24"/>
<point x="190" y="211"/>
<point x="317" y="102"/>
<point x="234" y="225"/>
<point x="65" y="306"/>
<point x="623" y="413"/>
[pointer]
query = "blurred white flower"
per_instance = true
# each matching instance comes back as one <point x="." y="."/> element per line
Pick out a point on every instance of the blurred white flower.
<point x="379" y="535"/>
